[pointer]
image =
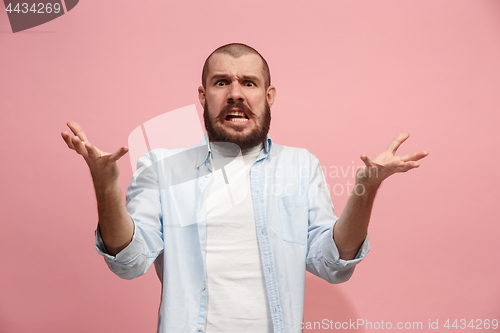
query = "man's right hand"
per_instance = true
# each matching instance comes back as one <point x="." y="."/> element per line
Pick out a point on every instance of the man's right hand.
<point x="115" y="225"/>
<point x="103" y="166"/>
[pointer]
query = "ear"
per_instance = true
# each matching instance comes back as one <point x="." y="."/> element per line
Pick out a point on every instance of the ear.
<point x="201" y="95"/>
<point x="271" y="95"/>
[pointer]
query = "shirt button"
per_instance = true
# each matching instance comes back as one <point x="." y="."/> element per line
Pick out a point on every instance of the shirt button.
<point x="202" y="287"/>
<point x="200" y="328"/>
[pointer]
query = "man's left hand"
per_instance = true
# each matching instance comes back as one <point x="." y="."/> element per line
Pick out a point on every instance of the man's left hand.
<point x="386" y="163"/>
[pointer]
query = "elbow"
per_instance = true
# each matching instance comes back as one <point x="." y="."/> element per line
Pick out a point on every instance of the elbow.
<point x="341" y="276"/>
<point x="128" y="271"/>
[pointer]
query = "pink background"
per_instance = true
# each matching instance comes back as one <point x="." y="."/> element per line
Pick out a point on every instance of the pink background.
<point x="350" y="75"/>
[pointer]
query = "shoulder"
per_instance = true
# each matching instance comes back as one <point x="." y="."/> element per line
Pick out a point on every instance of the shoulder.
<point x="181" y="156"/>
<point x="295" y="153"/>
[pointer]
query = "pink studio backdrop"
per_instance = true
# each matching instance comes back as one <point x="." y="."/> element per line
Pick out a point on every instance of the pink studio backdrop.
<point x="350" y="75"/>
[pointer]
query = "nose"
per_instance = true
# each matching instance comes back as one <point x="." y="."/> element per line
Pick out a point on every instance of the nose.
<point x="235" y="93"/>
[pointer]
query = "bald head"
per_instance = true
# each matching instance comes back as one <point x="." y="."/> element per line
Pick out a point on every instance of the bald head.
<point x="236" y="50"/>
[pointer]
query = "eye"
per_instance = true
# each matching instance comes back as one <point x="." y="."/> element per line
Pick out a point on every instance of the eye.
<point x="221" y="83"/>
<point x="249" y="84"/>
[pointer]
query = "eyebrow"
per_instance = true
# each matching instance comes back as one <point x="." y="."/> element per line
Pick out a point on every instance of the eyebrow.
<point x="245" y="77"/>
<point x="250" y="77"/>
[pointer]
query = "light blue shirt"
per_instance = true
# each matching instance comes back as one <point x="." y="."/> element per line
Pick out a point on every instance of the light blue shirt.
<point x="294" y="221"/>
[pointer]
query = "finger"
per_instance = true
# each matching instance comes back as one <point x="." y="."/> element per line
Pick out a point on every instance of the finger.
<point x="394" y="165"/>
<point x="367" y="161"/>
<point x="397" y="141"/>
<point x="415" y="156"/>
<point x="67" y="138"/>
<point x="408" y="166"/>
<point x="118" y="154"/>
<point x="79" y="147"/>
<point x="93" y="153"/>
<point x="77" y="130"/>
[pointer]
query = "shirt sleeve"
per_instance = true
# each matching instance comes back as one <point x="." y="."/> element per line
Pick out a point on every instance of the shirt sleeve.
<point x="323" y="257"/>
<point x="144" y="207"/>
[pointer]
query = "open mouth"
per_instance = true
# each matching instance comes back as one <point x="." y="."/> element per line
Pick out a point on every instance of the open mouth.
<point x="237" y="117"/>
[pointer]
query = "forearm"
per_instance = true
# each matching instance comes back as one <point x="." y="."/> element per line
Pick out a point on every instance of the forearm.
<point x="115" y="225"/>
<point x="352" y="226"/>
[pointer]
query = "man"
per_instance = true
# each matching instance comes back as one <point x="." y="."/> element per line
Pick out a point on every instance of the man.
<point x="232" y="240"/>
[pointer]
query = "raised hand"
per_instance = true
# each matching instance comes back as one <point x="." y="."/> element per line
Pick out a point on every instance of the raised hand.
<point x="115" y="225"/>
<point x="103" y="166"/>
<point x="386" y="163"/>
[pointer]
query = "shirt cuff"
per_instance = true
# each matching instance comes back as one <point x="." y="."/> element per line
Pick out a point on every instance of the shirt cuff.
<point x="125" y="256"/>
<point x="331" y="253"/>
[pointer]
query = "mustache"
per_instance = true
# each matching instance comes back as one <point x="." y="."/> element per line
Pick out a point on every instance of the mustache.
<point x="239" y="105"/>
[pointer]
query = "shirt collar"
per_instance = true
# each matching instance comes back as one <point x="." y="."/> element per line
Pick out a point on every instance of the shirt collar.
<point x="204" y="154"/>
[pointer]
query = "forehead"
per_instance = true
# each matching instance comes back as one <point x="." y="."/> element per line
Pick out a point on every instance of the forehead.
<point x="247" y="64"/>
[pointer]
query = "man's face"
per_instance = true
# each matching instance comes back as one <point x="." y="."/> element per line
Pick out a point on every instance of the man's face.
<point x="236" y="102"/>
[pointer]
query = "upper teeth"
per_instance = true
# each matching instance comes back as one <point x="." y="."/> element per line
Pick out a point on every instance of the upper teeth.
<point x="236" y="113"/>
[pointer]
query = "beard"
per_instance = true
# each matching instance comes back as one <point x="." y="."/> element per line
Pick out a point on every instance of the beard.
<point x="216" y="133"/>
